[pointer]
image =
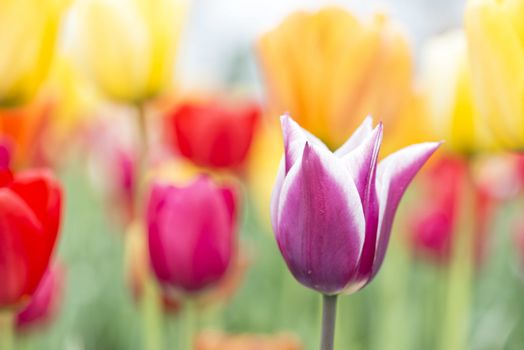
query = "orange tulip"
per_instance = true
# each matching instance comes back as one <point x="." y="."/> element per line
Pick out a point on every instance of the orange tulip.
<point x="329" y="70"/>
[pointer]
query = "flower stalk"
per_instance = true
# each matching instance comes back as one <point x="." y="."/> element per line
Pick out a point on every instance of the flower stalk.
<point x="456" y="322"/>
<point x="329" y="313"/>
<point x="7" y="336"/>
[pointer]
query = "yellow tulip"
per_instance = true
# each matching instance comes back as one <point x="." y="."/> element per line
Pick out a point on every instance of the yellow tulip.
<point x="495" y="32"/>
<point x="28" y="35"/>
<point x="329" y="70"/>
<point x="130" y="46"/>
<point x="447" y="83"/>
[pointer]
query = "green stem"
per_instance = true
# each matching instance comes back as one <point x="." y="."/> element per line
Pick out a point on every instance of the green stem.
<point x="152" y="316"/>
<point x="329" y="315"/>
<point x="151" y="301"/>
<point x="7" y="333"/>
<point x="456" y="320"/>
<point x="189" y="320"/>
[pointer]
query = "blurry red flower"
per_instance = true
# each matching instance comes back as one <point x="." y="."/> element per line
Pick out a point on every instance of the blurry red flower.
<point x="45" y="300"/>
<point x="433" y="224"/>
<point x="213" y="133"/>
<point x="191" y="233"/>
<point x="30" y="213"/>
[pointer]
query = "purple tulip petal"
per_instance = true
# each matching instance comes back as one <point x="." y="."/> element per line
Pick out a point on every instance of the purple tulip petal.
<point x="320" y="221"/>
<point x="362" y="132"/>
<point x="294" y="140"/>
<point x="362" y="163"/>
<point x="394" y="175"/>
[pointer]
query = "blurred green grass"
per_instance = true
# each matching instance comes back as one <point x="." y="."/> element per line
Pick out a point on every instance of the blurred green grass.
<point x="401" y="309"/>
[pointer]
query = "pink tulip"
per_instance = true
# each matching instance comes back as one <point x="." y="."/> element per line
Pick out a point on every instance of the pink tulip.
<point x="5" y="153"/>
<point x="44" y="303"/>
<point x="332" y="212"/>
<point x="191" y="233"/>
<point x="435" y="218"/>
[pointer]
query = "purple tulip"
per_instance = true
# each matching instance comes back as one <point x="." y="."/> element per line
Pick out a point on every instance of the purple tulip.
<point x="191" y="233"/>
<point x="332" y="212"/>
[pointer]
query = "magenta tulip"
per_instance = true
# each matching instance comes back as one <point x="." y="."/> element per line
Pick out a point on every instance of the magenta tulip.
<point x="191" y="233"/>
<point x="44" y="303"/>
<point x="332" y="212"/>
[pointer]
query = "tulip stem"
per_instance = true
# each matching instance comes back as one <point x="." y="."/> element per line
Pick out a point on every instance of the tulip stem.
<point x="152" y="316"/>
<point x="329" y="314"/>
<point x="7" y="336"/>
<point x="189" y="326"/>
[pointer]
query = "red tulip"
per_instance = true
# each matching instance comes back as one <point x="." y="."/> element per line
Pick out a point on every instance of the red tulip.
<point x="213" y="133"/>
<point x="191" y="233"/>
<point x="30" y="212"/>
<point x="434" y="223"/>
<point x="44" y="303"/>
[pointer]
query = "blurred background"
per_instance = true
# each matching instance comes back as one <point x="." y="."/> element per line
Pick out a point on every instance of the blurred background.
<point x="114" y="94"/>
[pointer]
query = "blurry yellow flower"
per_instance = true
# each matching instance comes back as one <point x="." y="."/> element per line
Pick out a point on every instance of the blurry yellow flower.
<point x="447" y="82"/>
<point x="495" y="31"/>
<point x="75" y="99"/>
<point x="28" y="34"/>
<point x="130" y="46"/>
<point x="264" y="160"/>
<point x="329" y="70"/>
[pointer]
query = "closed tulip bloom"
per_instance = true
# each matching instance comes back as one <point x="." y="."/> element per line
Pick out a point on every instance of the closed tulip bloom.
<point x="495" y="33"/>
<point x="435" y="217"/>
<point x="45" y="301"/>
<point x="329" y="68"/>
<point x="191" y="233"/>
<point x="28" y="34"/>
<point x="447" y="81"/>
<point x="213" y="133"/>
<point x="30" y="213"/>
<point x="332" y="212"/>
<point x="130" y="46"/>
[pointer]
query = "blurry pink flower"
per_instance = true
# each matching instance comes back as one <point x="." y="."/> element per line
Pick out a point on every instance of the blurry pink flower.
<point x="5" y="153"/>
<point x="433" y="222"/>
<point x="332" y="213"/>
<point x="191" y="233"/>
<point x="44" y="303"/>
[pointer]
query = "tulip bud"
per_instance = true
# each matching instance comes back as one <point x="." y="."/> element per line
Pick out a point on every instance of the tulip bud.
<point x="29" y="31"/>
<point x="44" y="303"/>
<point x="452" y="111"/>
<point x="191" y="233"/>
<point x="130" y="47"/>
<point x="341" y="69"/>
<point x="434" y="219"/>
<point x="213" y="133"/>
<point x="30" y="213"/>
<point x="496" y="51"/>
<point x="332" y="212"/>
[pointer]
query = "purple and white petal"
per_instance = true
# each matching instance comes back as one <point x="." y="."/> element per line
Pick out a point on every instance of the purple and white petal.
<point x="320" y="221"/>
<point x="362" y="163"/>
<point x="362" y="132"/>
<point x="393" y="177"/>
<point x="294" y="140"/>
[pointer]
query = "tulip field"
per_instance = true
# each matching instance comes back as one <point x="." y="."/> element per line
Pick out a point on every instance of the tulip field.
<point x="265" y="175"/>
